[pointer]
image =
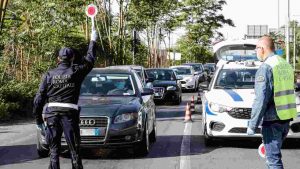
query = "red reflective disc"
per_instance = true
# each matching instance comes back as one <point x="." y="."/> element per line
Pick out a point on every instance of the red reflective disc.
<point x="263" y="150"/>
<point x="91" y="10"/>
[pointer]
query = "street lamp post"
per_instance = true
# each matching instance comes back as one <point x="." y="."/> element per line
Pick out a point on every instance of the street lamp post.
<point x="294" y="60"/>
<point x="133" y="45"/>
<point x="288" y="35"/>
<point x="295" y="39"/>
<point x="278" y="23"/>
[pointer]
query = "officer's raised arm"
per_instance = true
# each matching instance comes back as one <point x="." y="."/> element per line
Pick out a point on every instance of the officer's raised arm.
<point x="89" y="59"/>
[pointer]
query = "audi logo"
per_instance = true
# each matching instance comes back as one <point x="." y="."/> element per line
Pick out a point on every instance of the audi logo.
<point x="87" y="122"/>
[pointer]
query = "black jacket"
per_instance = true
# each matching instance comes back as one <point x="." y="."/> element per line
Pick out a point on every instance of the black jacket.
<point x="62" y="85"/>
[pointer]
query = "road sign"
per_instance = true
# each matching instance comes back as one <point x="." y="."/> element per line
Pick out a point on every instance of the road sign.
<point x="91" y="10"/>
<point x="262" y="150"/>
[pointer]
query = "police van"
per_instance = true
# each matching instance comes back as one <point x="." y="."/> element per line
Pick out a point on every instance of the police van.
<point x="227" y="103"/>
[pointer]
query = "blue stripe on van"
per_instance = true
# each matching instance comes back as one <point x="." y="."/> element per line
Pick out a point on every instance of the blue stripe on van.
<point x="236" y="97"/>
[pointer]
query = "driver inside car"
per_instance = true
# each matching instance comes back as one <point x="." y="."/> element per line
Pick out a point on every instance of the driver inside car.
<point x="231" y="79"/>
<point x="122" y="87"/>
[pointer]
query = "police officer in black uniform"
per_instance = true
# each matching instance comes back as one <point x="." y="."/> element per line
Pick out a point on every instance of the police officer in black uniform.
<point x="60" y="89"/>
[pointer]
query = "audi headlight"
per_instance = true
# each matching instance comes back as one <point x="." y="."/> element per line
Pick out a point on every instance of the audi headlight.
<point x="125" y="117"/>
<point x="219" y="108"/>
<point x="171" y="88"/>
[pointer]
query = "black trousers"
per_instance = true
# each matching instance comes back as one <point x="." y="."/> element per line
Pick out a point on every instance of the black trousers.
<point x="69" y="124"/>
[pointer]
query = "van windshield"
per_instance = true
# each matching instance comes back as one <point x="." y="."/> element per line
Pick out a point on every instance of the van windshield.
<point x="238" y="53"/>
<point x="236" y="79"/>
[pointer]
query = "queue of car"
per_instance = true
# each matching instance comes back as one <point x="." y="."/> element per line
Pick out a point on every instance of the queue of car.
<point x="118" y="102"/>
<point x="118" y="105"/>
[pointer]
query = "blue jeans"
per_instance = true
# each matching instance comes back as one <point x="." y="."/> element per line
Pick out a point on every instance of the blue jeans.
<point x="273" y="137"/>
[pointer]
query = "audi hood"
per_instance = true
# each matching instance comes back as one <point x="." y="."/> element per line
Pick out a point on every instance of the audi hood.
<point x="108" y="106"/>
<point x="242" y="98"/>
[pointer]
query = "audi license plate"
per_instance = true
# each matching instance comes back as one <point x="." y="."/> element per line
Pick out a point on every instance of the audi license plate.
<point x="91" y="132"/>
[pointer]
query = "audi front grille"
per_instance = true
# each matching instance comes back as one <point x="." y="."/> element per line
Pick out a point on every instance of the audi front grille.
<point x="93" y="121"/>
<point x="240" y="113"/>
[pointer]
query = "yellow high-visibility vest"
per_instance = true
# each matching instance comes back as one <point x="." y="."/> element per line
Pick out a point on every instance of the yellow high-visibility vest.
<point x="284" y="95"/>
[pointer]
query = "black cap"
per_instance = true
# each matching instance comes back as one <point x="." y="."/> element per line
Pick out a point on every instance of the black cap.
<point x="66" y="53"/>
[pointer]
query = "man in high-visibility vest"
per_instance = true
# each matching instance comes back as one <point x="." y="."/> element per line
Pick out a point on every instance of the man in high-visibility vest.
<point x="275" y="101"/>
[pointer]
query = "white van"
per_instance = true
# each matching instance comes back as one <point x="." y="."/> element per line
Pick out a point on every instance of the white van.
<point x="227" y="103"/>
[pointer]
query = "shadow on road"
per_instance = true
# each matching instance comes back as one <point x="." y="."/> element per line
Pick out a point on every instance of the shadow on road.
<point x="165" y="146"/>
<point x="17" y="122"/>
<point x="17" y="154"/>
<point x="252" y="143"/>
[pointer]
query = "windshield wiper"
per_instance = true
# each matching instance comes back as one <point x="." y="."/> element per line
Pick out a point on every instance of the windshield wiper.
<point x="224" y="87"/>
<point x="246" y="87"/>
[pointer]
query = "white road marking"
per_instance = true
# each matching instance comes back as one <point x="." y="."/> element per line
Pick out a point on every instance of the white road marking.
<point x="185" y="161"/>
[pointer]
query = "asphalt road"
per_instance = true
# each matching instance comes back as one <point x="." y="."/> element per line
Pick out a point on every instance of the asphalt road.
<point x="179" y="146"/>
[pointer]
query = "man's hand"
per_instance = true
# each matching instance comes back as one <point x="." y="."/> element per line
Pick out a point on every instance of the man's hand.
<point x="250" y="132"/>
<point x="94" y="35"/>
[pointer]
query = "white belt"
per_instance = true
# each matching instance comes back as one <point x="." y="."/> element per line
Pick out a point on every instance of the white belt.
<point x="68" y="105"/>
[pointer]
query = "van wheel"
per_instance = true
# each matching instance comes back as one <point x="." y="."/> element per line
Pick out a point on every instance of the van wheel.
<point x="208" y="141"/>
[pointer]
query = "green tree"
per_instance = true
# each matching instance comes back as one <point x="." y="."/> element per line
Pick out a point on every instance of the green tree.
<point x="201" y="18"/>
<point x="153" y="17"/>
<point x="29" y="45"/>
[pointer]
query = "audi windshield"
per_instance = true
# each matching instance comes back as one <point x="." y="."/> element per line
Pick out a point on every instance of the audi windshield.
<point x="107" y="85"/>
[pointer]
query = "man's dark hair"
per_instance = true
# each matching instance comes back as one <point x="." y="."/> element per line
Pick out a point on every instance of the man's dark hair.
<point x="66" y="54"/>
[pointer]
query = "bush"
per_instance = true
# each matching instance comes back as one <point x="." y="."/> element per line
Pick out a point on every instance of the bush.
<point x="3" y="110"/>
<point x="16" y="99"/>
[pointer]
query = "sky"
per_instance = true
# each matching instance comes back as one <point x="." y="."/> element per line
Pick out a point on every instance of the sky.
<point x="250" y="12"/>
<point x="257" y="12"/>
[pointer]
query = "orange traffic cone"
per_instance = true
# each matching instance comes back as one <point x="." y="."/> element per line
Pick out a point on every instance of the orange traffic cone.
<point x="188" y="114"/>
<point x="192" y="108"/>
